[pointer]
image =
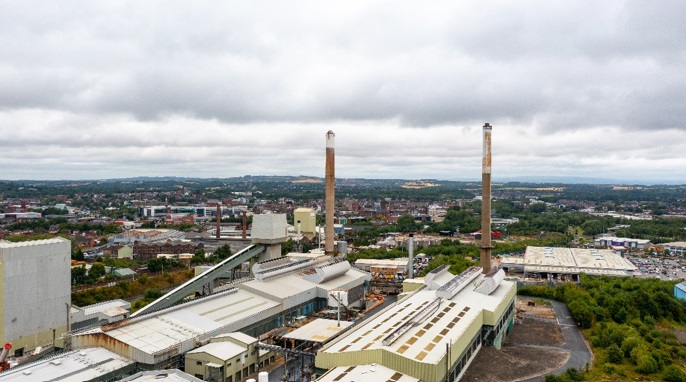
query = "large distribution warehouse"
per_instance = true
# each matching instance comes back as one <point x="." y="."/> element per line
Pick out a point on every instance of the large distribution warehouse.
<point x="565" y="264"/>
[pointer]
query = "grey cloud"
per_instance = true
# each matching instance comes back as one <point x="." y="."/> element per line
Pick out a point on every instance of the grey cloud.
<point x="560" y="63"/>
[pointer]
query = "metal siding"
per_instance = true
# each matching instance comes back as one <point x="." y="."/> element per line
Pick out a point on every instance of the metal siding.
<point x="34" y="300"/>
<point x="491" y="318"/>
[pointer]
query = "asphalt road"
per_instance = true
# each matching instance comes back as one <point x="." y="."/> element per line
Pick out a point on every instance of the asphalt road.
<point x="580" y="356"/>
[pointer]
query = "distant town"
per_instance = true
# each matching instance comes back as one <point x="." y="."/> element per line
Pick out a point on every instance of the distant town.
<point x="232" y="279"/>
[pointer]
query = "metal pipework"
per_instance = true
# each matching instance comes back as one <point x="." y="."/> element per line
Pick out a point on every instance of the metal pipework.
<point x="329" y="202"/>
<point x="486" y="201"/>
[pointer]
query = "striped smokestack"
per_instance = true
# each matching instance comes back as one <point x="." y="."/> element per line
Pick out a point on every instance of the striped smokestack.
<point x="329" y="201"/>
<point x="486" y="201"/>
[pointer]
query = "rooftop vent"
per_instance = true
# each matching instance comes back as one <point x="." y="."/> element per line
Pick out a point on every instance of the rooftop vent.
<point x="458" y="282"/>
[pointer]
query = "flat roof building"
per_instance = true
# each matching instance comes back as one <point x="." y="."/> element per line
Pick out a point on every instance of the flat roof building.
<point x="677" y="248"/>
<point x="565" y="264"/>
<point x="90" y="364"/>
<point x="620" y="243"/>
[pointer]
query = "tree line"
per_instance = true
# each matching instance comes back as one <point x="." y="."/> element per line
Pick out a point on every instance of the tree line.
<point x="631" y="324"/>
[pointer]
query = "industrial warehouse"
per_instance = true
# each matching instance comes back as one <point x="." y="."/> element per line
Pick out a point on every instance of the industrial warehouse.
<point x="565" y="264"/>
<point x="435" y="332"/>
<point x="282" y="290"/>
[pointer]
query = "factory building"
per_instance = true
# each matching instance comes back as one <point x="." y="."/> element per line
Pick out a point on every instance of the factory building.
<point x="35" y="277"/>
<point x="308" y="221"/>
<point x="565" y="264"/>
<point x="434" y="333"/>
<point x="139" y="236"/>
<point x="282" y="290"/>
<point x="104" y="312"/>
<point x="166" y="375"/>
<point x="384" y="266"/>
<point x="229" y="357"/>
<point x="373" y="372"/>
<point x="86" y="365"/>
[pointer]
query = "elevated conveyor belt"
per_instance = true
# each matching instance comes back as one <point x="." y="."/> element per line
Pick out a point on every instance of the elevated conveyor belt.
<point x="195" y="284"/>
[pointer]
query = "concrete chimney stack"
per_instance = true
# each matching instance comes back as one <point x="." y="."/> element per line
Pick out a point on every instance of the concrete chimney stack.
<point x="486" y="201"/>
<point x="245" y="225"/>
<point x="410" y="251"/>
<point x="219" y="220"/>
<point x="329" y="198"/>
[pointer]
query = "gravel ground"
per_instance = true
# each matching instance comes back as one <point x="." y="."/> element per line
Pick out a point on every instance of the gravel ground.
<point x="544" y="340"/>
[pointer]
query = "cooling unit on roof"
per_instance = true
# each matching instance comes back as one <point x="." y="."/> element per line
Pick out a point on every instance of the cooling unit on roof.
<point x="458" y="282"/>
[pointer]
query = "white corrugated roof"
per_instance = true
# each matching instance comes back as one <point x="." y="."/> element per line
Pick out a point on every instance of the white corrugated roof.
<point x="318" y="330"/>
<point x="103" y="306"/>
<point x="157" y="332"/>
<point x="365" y="373"/>
<point x="581" y="259"/>
<point x="424" y="342"/>
<point x="162" y="376"/>
<point x="79" y="365"/>
<point x="222" y="350"/>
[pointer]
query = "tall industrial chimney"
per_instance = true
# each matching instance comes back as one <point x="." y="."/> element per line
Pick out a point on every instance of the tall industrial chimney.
<point x="410" y="252"/>
<point x="219" y="220"/>
<point x="245" y="224"/>
<point x="329" y="198"/>
<point x="486" y="201"/>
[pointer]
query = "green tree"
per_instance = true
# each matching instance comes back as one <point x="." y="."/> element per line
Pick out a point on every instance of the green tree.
<point x="97" y="271"/>
<point x="78" y="276"/>
<point x="537" y="208"/>
<point x="406" y="223"/>
<point x="222" y="252"/>
<point x="78" y="255"/>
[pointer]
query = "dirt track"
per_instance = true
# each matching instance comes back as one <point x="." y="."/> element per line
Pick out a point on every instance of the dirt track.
<point x="534" y="348"/>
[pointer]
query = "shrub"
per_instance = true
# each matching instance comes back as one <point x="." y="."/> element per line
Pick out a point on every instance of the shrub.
<point x="645" y="364"/>
<point x="673" y="374"/>
<point x="615" y="354"/>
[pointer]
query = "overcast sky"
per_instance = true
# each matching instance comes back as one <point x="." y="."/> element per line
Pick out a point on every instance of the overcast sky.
<point x="103" y="89"/>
